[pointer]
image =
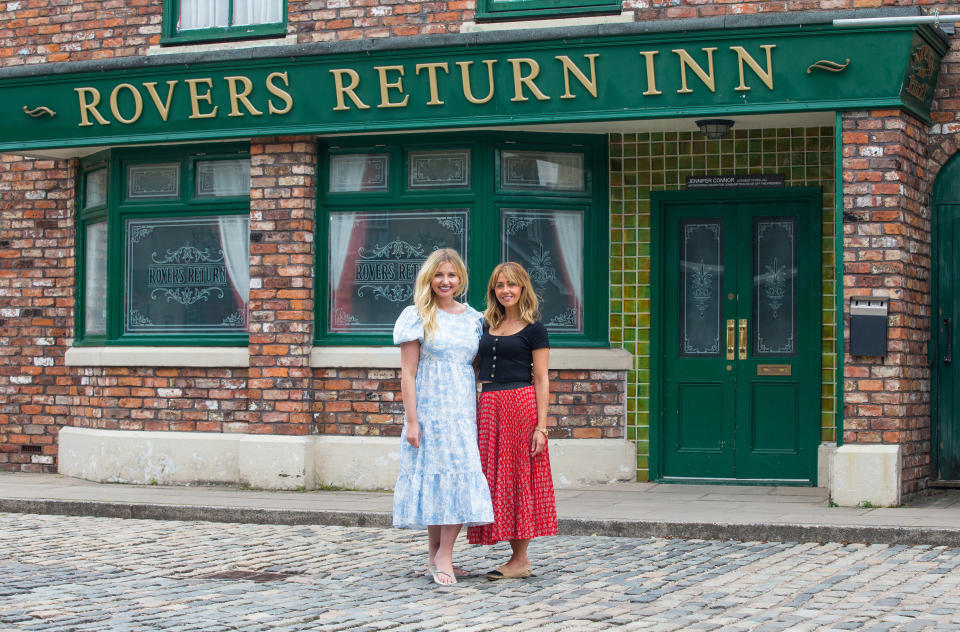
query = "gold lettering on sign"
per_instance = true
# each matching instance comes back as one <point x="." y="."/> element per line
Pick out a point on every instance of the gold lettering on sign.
<point x="236" y="98"/>
<point x="922" y="65"/>
<point x="744" y="56"/>
<point x="431" y="69"/>
<point x="386" y="86"/>
<point x="338" y="74"/>
<point x="279" y="92"/>
<point x="89" y="107"/>
<point x="196" y="98"/>
<point x="137" y="103"/>
<point x="520" y="80"/>
<point x="916" y="89"/>
<point x="162" y="108"/>
<point x="465" y="80"/>
<point x="648" y="56"/>
<point x="706" y="77"/>
<point x="570" y="67"/>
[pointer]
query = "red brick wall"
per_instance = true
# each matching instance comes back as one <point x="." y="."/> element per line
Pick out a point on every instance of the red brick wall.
<point x="282" y="207"/>
<point x="146" y="398"/>
<point x="583" y="404"/>
<point x="886" y="242"/>
<point x="36" y="306"/>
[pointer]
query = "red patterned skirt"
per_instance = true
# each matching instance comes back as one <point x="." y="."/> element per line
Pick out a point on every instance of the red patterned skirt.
<point x="521" y="486"/>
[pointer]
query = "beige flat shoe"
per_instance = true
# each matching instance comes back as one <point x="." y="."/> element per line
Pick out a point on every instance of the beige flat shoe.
<point x="499" y="574"/>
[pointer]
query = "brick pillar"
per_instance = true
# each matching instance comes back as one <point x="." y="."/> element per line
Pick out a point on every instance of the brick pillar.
<point x="282" y="200"/>
<point x="886" y="253"/>
<point x="37" y="225"/>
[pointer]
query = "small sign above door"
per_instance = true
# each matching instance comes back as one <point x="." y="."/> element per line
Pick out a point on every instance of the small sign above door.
<point x="735" y="181"/>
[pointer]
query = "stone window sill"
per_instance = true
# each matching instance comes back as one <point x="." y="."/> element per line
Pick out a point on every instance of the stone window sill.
<point x="320" y="357"/>
<point x="210" y="357"/>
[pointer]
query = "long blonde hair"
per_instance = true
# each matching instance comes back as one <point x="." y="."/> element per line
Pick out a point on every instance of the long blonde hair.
<point x="529" y="304"/>
<point x="423" y="296"/>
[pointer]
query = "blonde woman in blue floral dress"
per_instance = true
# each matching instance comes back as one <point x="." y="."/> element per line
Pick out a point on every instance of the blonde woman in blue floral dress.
<point x="441" y="485"/>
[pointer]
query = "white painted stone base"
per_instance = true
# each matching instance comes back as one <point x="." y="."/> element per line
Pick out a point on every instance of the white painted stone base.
<point x="825" y="454"/>
<point x="186" y="458"/>
<point x="292" y="462"/>
<point x="866" y="474"/>
<point x="356" y="462"/>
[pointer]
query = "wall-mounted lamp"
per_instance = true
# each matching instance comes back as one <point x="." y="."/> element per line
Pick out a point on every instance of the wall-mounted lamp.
<point x="715" y="129"/>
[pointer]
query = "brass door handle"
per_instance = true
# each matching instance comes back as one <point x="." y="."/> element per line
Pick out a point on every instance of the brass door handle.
<point x="731" y="337"/>
<point x="743" y="339"/>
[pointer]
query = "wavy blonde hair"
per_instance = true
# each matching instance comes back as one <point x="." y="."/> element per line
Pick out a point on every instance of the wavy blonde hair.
<point x="529" y="304"/>
<point x="423" y="296"/>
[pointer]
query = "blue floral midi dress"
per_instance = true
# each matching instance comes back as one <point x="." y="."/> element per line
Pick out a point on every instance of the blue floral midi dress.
<point x="441" y="482"/>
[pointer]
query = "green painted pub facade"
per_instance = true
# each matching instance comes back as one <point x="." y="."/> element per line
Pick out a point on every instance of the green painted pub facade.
<point x="739" y="219"/>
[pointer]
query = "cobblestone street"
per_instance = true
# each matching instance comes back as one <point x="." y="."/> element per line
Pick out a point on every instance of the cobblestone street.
<point x="68" y="573"/>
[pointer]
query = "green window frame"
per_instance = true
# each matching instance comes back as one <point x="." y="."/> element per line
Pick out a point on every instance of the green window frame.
<point x="521" y="9"/>
<point x="122" y="208"/>
<point x="366" y="187"/>
<point x="171" y="33"/>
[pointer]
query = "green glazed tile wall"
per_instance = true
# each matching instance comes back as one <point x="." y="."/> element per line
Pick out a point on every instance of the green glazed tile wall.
<point x="640" y="163"/>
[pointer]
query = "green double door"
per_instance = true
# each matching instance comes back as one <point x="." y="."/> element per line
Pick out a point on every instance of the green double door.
<point x="739" y="335"/>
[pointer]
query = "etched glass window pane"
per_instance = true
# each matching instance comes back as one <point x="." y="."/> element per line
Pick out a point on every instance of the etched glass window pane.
<point x="95" y="188"/>
<point x="257" y="11"/>
<point x="549" y="244"/>
<point x="150" y="182"/>
<point x="448" y="169"/>
<point x="774" y="286"/>
<point x="187" y="275"/>
<point x="359" y="172"/>
<point x="701" y="280"/>
<point x="223" y="178"/>
<point x="203" y="14"/>
<point x="541" y="170"/>
<point x="374" y="259"/>
<point x="95" y="280"/>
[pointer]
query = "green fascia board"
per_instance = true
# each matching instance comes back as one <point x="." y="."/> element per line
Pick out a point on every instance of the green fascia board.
<point x="240" y="98"/>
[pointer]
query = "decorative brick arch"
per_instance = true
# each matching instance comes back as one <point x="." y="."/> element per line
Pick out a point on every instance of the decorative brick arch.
<point x="940" y="149"/>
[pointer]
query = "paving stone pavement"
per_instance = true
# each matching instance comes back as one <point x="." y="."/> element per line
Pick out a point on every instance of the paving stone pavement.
<point x="61" y="574"/>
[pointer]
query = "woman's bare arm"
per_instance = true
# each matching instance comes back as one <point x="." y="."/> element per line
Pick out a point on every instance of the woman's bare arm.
<point x="409" y="363"/>
<point x="541" y="384"/>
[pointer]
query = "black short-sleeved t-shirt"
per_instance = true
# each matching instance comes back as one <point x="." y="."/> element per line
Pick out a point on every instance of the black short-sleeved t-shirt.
<point x="510" y="358"/>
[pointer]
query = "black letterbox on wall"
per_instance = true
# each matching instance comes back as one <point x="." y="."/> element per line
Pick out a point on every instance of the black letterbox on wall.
<point x="868" y="326"/>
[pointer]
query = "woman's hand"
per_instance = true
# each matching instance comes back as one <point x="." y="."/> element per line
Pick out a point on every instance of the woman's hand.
<point x="537" y="443"/>
<point x="413" y="434"/>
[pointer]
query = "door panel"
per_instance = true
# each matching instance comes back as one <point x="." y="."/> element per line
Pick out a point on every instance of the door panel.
<point x="700" y="418"/>
<point x="740" y="340"/>
<point x="946" y="378"/>
<point x="698" y="387"/>
<point x="779" y="403"/>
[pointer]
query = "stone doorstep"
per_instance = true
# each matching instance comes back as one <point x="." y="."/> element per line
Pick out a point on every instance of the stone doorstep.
<point x="292" y="462"/>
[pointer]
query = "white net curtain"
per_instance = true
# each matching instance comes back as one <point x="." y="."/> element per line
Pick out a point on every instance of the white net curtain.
<point x="203" y="14"/>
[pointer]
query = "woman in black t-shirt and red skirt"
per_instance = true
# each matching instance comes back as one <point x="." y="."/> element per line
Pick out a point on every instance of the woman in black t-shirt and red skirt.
<point x="512" y="419"/>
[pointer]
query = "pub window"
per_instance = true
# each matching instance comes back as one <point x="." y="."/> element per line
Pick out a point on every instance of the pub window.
<point x="188" y="21"/>
<point x="520" y="9"/>
<point x="165" y="249"/>
<point x="536" y="199"/>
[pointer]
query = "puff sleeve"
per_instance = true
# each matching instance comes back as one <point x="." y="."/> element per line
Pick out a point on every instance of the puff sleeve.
<point x="409" y="326"/>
